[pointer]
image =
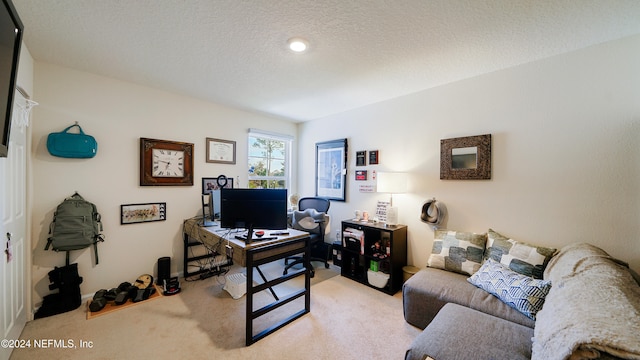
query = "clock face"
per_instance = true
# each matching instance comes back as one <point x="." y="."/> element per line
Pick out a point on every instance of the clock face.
<point x="167" y="163"/>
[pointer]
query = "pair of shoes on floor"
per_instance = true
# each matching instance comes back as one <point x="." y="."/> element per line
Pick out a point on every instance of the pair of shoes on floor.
<point x="128" y="291"/>
<point x="118" y="295"/>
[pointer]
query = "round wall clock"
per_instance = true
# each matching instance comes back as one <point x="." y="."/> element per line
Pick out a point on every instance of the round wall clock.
<point x="164" y="162"/>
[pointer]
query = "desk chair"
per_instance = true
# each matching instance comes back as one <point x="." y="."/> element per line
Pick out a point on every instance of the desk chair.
<point x="312" y="217"/>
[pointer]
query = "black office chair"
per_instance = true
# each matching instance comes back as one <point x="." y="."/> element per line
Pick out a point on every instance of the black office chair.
<point x="312" y="217"/>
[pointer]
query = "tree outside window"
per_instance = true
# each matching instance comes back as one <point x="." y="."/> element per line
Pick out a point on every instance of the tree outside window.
<point x="268" y="162"/>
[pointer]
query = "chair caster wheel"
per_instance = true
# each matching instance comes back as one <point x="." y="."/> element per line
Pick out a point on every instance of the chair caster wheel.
<point x="284" y="272"/>
<point x="312" y="273"/>
<point x="326" y="265"/>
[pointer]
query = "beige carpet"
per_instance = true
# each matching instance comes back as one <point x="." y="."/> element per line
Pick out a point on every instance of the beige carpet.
<point x="347" y="321"/>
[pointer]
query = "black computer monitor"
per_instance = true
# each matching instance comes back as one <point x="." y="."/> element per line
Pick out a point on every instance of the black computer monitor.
<point x="253" y="209"/>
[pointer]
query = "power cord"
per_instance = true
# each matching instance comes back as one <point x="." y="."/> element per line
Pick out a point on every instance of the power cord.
<point x="220" y="257"/>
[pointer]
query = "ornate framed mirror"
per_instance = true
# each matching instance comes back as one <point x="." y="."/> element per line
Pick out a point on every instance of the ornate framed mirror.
<point x="466" y="158"/>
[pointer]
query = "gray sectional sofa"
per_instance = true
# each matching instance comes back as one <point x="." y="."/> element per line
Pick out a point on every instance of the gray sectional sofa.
<point x="590" y="308"/>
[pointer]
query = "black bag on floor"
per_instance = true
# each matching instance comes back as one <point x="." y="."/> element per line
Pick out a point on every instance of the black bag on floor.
<point x="67" y="280"/>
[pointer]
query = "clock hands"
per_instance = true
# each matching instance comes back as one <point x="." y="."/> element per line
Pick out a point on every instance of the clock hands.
<point x="166" y="162"/>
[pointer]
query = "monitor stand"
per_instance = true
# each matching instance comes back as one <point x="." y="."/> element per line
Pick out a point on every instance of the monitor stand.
<point x="208" y="223"/>
<point x="249" y="237"/>
<point x="205" y="219"/>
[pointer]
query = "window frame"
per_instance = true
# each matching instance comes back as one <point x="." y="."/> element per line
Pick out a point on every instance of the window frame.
<point x="287" y="140"/>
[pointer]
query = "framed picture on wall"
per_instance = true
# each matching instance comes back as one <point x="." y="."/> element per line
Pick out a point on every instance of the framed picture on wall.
<point x="373" y="157"/>
<point x="361" y="158"/>
<point x="216" y="183"/>
<point x="221" y="151"/>
<point x="138" y="213"/>
<point x="331" y="169"/>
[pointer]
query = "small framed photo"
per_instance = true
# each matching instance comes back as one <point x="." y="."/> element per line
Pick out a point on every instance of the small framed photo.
<point x="216" y="183"/>
<point x="361" y="158"/>
<point x="138" y="213"/>
<point x="361" y="175"/>
<point x="221" y="151"/>
<point x="373" y="157"/>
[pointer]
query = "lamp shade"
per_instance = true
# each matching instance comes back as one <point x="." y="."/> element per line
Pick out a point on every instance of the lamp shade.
<point x="392" y="182"/>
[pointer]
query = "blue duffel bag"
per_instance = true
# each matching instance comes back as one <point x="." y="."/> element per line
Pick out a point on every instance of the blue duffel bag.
<point x="72" y="145"/>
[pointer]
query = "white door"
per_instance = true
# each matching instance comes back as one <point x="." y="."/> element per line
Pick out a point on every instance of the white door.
<point x="13" y="230"/>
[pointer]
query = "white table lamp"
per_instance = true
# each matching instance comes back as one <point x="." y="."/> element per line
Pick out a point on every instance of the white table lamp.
<point x="392" y="183"/>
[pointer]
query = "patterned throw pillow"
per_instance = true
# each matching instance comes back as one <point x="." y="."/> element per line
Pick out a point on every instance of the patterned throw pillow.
<point x="457" y="251"/>
<point x="521" y="292"/>
<point x="520" y="257"/>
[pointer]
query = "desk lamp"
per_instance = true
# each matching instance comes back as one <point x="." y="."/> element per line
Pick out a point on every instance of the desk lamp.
<point x="392" y="183"/>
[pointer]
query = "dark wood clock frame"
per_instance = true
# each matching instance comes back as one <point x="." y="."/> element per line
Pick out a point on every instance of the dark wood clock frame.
<point x="146" y="148"/>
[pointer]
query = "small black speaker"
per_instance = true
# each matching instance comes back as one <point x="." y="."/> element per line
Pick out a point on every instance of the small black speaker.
<point x="164" y="270"/>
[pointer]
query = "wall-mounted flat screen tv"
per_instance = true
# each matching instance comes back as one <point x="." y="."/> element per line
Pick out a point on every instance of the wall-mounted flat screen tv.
<point x="11" y="30"/>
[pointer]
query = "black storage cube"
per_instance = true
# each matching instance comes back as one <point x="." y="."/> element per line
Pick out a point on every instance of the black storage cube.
<point x="352" y="243"/>
<point x="337" y="253"/>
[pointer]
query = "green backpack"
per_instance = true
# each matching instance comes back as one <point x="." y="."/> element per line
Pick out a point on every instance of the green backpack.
<point x="76" y="225"/>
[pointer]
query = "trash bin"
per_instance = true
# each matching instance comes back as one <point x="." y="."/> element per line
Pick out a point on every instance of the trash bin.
<point x="337" y="253"/>
<point x="408" y="271"/>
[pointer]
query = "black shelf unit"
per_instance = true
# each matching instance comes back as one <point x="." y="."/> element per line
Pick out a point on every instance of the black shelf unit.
<point x="357" y="256"/>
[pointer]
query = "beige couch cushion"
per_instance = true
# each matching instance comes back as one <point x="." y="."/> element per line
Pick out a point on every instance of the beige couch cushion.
<point x="462" y="333"/>
<point x="426" y="292"/>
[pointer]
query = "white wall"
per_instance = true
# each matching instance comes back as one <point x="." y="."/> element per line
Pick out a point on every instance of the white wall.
<point x="565" y="158"/>
<point x="565" y="154"/>
<point x="25" y="70"/>
<point x="117" y="114"/>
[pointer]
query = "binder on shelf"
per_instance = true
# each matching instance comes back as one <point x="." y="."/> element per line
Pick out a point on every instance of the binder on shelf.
<point x="353" y="239"/>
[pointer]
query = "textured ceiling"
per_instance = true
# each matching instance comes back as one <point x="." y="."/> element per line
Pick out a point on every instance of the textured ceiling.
<point x="234" y="52"/>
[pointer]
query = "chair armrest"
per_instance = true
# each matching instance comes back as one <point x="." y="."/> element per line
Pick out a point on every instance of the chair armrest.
<point x="327" y="225"/>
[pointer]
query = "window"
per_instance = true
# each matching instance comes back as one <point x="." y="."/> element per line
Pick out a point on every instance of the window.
<point x="269" y="160"/>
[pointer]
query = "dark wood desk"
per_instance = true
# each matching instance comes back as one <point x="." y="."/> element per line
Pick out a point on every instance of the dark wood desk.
<point x="252" y="256"/>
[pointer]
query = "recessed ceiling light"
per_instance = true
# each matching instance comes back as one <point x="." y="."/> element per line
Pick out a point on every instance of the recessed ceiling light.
<point x="298" y="45"/>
